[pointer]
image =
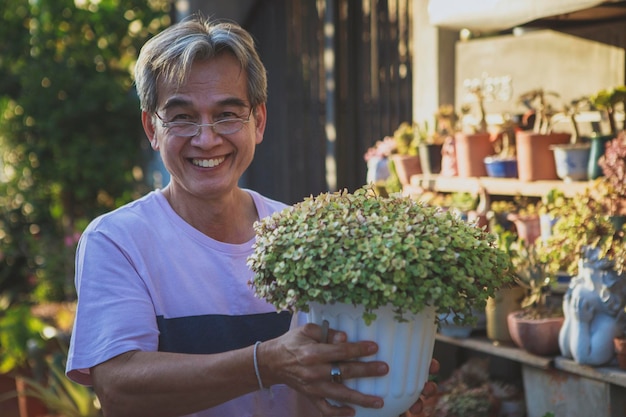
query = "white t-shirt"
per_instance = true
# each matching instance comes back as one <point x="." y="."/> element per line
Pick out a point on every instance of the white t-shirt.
<point x="147" y="280"/>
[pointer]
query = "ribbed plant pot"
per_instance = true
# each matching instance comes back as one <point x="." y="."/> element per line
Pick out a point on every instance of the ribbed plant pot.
<point x="407" y="348"/>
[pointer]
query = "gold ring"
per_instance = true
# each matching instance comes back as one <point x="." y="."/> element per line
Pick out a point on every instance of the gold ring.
<point x="335" y="373"/>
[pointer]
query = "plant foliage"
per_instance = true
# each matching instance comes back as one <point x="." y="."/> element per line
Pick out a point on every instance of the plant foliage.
<point x="70" y="132"/>
<point x="361" y="248"/>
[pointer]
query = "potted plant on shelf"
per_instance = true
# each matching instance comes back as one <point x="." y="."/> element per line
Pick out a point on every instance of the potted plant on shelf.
<point x="430" y="145"/>
<point x="608" y="101"/>
<point x="572" y="159"/>
<point x="473" y="141"/>
<point x="366" y="259"/>
<point x="605" y="101"/>
<point x="503" y="164"/>
<point x="535" y="328"/>
<point x="405" y="157"/>
<point x="588" y="244"/>
<point x="535" y="160"/>
<point x="508" y="298"/>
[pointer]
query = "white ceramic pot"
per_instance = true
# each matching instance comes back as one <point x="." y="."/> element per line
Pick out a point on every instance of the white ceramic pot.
<point x="406" y="347"/>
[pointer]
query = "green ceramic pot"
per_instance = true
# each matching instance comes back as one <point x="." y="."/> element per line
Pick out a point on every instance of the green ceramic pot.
<point x="598" y="144"/>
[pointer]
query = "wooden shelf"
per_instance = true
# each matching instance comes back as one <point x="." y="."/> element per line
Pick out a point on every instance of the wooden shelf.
<point x="484" y="345"/>
<point x="611" y="375"/>
<point x="493" y="186"/>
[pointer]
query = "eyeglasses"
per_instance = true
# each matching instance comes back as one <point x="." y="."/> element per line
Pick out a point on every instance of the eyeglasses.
<point x="191" y="129"/>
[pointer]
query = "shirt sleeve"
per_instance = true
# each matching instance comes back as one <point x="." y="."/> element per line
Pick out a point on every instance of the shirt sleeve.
<point x="115" y="313"/>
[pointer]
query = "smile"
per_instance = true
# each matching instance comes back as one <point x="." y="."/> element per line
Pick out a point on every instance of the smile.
<point x="208" y="163"/>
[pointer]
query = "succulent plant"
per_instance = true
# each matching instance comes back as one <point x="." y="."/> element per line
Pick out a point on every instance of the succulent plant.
<point x="613" y="164"/>
<point x="584" y="222"/>
<point x="364" y="249"/>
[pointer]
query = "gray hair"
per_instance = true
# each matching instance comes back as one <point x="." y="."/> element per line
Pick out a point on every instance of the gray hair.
<point x="169" y="55"/>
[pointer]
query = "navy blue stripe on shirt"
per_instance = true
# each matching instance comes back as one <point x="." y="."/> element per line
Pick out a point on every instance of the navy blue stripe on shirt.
<point x="219" y="333"/>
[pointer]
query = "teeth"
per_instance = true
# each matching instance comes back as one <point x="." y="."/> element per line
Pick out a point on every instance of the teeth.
<point x="208" y="163"/>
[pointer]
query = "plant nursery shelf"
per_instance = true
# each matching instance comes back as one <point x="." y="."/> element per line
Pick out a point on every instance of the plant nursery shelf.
<point x="510" y="352"/>
<point x="611" y="375"/>
<point x="493" y="186"/>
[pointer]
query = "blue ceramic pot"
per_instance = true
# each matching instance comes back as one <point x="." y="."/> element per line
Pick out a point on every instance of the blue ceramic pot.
<point x="572" y="161"/>
<point x="501" y="167"/>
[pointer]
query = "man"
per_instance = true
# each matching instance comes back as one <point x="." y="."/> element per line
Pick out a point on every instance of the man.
<point x="166" y="324"/>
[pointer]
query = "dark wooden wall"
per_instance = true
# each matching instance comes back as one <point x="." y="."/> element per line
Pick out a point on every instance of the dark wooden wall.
<point x="372" y="95"/>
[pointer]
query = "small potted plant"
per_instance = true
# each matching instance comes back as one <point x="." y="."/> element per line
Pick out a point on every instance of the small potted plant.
<point x="374" y="258"/>
<point x="503" y="164"/>
<point x="536" y="326"/>
<point x="430" y="144"/>
<point x="572" y="159"/>
<point x="473" y="141"/>
<point x="405" y="158"/>
<point x="607" y="102"/>
<point x="588" y="244"/>
<point x="535" y="160"/>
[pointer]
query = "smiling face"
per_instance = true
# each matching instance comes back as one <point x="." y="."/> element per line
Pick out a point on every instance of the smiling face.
<point x="207" y="165"/>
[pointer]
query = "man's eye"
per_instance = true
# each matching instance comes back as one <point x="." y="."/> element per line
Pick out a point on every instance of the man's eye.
<point x="227" y="116"/>
<point x="182" y="118"/>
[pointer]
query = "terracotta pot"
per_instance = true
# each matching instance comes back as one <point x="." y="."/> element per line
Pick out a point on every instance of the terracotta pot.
<point x="10" y="407"/>
<point x="406" y="166"/>
<point x="471" y="151"/>
<point x="537" y="336"/>
<point x="620" y="351"/>
<point x="535" y="159"/>
<point x="527" y="227"/>
<point x="29" y="406"/>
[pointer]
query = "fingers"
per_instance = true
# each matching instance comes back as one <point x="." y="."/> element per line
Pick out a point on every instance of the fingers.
<point x="323" y="334"/>
<point x="355" y="369"/>
<point x="434" y="367"/>
<point x="344" y="395"/>
<point x="327" y="409"/>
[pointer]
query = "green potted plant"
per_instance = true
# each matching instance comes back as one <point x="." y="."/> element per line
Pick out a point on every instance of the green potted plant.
<point x="405" y="160"/>
<point x="430" y="143"/>
<point x="608" y="101"/>
<point x="508" y="298"/>
<point x="503" y="164"/>
<point x="473" y="141"/>
<point x="572" y="159"/>
<point x="536" y="326"/>
<point x="372" y="258"/>
<point x="535" y="160"/>
<point x="605" y="101"/>
<point x="50" y="387"/>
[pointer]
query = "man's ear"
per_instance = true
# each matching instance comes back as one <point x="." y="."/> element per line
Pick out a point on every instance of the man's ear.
<point x="260" y="119"/>
<point x="147" y="120"/>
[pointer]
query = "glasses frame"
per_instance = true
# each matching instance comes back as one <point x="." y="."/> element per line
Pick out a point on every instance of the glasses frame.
<point x="199" y="126"/>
